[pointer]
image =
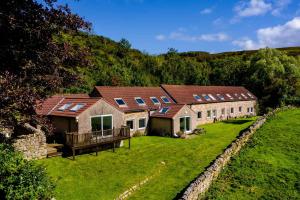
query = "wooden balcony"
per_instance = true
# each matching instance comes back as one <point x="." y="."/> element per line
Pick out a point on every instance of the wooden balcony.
<point x="95" y="139"/>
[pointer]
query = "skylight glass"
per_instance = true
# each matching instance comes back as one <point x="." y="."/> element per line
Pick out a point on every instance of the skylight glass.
<point x="243" y="95"/>
<point x="140" y="101"/>
<point x="154" y="100"/>
<point x="250" y="95"/>
<point x="212" y="97"/>
<point x="221" y="97"/>
<point x="229" y="96"/>
<point x="165" y="99"/>
<point x="77" y="107"/>
<point x="120" y="101"/>
<point x="239" y="97"/>
<point x="197" y="97"/>
<point x="164" y="110"/>
<point x="206" y="97"/>
<point x="65" y="106"/>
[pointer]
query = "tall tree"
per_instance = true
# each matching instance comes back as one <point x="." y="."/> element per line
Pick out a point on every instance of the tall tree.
<point x="34" y="62"/>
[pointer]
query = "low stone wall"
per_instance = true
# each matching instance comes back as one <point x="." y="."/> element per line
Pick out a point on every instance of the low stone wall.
<point x="33" y="146"/>
<point x="202" y="183"/>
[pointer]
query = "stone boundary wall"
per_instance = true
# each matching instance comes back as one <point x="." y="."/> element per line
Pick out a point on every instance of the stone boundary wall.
<point x="33" y="146"/>
<point x="202" y="183"/>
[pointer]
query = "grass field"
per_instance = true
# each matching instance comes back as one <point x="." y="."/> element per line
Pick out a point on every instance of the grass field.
<point x="269" y="166"/>
<point x="172" y="164"/>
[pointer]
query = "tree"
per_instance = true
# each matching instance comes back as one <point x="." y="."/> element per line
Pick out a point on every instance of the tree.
<point x="34" y="62"/>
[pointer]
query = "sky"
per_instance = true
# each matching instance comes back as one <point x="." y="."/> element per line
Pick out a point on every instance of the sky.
<point x="214" y="26"/>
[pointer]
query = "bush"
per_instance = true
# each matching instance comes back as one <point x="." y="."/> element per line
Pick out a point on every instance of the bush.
<point x="181" y="134"/>
<point x="137" y="134"/>
<point x="22" y="179"/>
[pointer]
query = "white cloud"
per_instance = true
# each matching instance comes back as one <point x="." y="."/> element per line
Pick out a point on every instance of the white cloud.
<point x="252" y="8"/>
<point x="182" y="36"/>
<point x="206" y="11"/>
<point x="279" y="6"/>
<point x="284" y="35"/>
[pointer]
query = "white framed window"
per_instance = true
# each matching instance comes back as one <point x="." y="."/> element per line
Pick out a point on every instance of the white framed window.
<point x="208" y="114"/>
<point x="206" y="97"/>
<point x="140" y="101"/>
<point x="142" y="123"/>
<point x="250" y="95"/>
<point x="120" y="102"/>
<point x="154" y="100"/>
<point x="214" y="113"/>
<point x="197" y="97"/>
<point x="185" y="124"/>
<point x="164" y="110"/>
<point x="130" y="124"/>
<point x="165" y="99"/>
<point x="77" y="107"/>
<point x="212" y="97"/>
<point x="223" y="111"/>
<point x="64" y="107"/>
<point x="248" y="109"/>
<point x="102" y="124"/>
<point x="232" y="110"/>
<point x="221" y="97"/>
<point x="243" y="95"/>
<point x="229" y="96"/>
<point x="251" y="109"/>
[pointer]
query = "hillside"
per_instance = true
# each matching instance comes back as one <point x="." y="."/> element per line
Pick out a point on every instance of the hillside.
<point x="268" y="167"/>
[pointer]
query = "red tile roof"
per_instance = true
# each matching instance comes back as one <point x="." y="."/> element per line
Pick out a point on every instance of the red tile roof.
<point x="183" y="94"/>
<point x="128" y="94"/>
<point x="173" y="110"/>
<point x="53" y="103"/>
<point x="87" y="102"/>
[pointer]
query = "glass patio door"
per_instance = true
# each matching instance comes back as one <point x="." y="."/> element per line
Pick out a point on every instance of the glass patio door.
<point x="185" y="124"/>
<point x="102" y="125"/>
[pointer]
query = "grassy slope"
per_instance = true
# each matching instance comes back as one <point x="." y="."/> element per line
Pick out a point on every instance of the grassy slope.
<point x="269" y="167"/>
<point x="109" y="174"/>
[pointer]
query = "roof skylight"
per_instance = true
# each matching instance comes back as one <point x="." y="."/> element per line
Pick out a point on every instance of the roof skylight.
<point x="197" y="97"/>
<point x="250" y="95"/>
<point x="229" y="96"/>
<point x="206" y="97"/>
<point x="164" y="110"/>
<point x="154" y="100"/>
<point x="120" y="102"/>
<point x="165" y="99"/>
<point x="140" y="101"/>
<point x="243" y="95"/>
<point x="221" y="97"/>
<point x="212" y="97"/>
<point x="65" y="106"/>
<point x="77" y="107"/>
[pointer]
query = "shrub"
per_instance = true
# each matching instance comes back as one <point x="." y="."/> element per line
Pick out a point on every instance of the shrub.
<point x="22" y="179"/>
<point x="181" y="134"/>
<point x="137" y="134"/>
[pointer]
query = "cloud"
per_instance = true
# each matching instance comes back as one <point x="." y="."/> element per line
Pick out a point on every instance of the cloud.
<point x="284" y="35"/>
<point x="183" y="36"/>
<point x="206" y="11"/>
<point x="252" y="8"/>
<point x="279" y="6"/>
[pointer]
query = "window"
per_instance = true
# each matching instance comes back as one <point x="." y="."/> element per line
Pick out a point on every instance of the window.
<point x="208" y="114"/>
<point x="65" y="106"/>
<point x="142" y="123"/>
<point x="251" y="109"/>
<point x="154" y="100"/>
<point x="221" y="97"/>
<point x="206" y="97"/>
<point x="140" y="101"/>
<point x="248" y="110"/>
<point x="199" y="114"/>
<point x="120" y="101"/>
<point x="229" y="96"/>
<point x="240" y="109"/>
<point x="102" y="124"/>
<point x="243" y="95"/>
<point x="231" y="110"/>
<point x="237" y="96"/>
<point x="130" y="124"/>
<point x="77" y="107"/>
<point x="250" y="95"/>
<point x="164" y="110"/>
<point x="197" y="97"/>
<point x="212" y="97"/>
<point x="185" y="124"/>
<point x="165" y="99"/>
<point x="214" y="113"/>
<point x="223" y="111"/>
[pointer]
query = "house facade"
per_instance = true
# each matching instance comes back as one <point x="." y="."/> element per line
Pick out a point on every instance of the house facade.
<point x="164" y="110"/>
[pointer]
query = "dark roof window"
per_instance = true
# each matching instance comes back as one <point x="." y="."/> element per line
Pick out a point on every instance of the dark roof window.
<point x="164" y="110"/>
<point x="120" y="102"/>
<point x="154" y="100"/>
<point x="65" y="106"/>
<point x="165" y="99"/>
<point x="77" y="107"/>
<point x="140" y="101"/>
<point x="197" y="97"/>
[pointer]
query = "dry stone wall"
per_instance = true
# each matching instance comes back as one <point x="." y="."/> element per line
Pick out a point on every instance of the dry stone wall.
<point x="202" y="183"/>
<point x="33" y="146"/>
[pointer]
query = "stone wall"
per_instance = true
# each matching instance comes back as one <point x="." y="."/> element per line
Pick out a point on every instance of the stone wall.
<point x="202" y="183"/>
<point x="33" y="146"/>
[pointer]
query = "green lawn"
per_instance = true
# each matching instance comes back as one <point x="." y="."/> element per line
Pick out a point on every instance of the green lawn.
<point x="171" y="162"/>
<point x="269" y="166"/>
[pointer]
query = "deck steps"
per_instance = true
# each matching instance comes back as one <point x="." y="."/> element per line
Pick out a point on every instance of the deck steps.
<point x="54" y="150"/>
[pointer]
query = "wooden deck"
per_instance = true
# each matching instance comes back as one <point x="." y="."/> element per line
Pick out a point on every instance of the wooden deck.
<point x="93" y="140"/>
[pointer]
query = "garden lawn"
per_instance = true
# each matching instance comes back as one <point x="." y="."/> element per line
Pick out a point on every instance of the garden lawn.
<point x="171" y="163"/>
<point x="269" y="166"/>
